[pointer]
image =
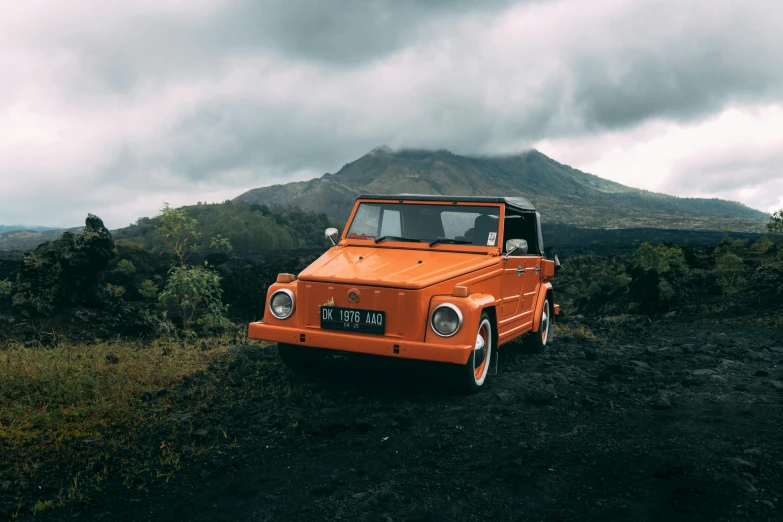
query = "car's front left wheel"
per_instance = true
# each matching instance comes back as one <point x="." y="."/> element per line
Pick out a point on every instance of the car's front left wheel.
<point x="473" y="374"/>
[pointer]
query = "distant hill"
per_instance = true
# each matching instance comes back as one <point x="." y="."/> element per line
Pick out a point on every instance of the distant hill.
<point x="28" y="239"/>
<point x="11" y="228"/>
<point x="562" y="194"/>
<point x="249" y="227"/>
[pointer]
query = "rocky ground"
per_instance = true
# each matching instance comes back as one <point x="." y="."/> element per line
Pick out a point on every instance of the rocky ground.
<point x="682" y="423"/>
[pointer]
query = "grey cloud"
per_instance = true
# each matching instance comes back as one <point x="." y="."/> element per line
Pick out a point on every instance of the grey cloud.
<point x="347" y="33"/>
<point x="705" y="60"/>
<point x="730" y="171"/>
<point x="396" y="72"/>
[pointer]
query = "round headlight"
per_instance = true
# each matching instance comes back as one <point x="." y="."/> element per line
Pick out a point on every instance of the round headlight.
<point x="446" y="320"/>
<point x="281" y="304"/>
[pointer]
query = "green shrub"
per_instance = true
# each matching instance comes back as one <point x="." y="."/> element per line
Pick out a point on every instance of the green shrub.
<point x="195" y="290"/>
<point x="729" y="265"/>
<point x="775" y="225"/>
<point x="148" y="289"/>
<point x="6" y="287"/>
<point x="125" y="267"/>
<point x="763" y="245"/>
<point x="115" y="290"/>
<point x="660" y="259"/>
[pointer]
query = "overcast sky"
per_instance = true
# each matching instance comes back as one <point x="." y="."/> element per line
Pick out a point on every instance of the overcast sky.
<point x="113" y="107"/>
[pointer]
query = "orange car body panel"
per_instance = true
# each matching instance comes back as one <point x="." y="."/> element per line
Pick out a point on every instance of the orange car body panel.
<point x="408" y="281"/>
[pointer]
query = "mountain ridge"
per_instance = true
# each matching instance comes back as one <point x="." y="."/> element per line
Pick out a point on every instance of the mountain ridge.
<point x="561" y="193"/>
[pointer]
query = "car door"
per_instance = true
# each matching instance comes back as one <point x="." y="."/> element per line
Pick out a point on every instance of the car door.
<point x="519" y="286"/>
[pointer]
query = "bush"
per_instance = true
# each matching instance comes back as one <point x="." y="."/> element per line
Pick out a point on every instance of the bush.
<point x="763" y="245"/>
<point x="125" y="267"/>
<point x="660" y="259"/>
<point x="775" y="225"/>
<point x="148" y="289"/>
<point x="729" y="265"/>
<point x="195" y="290"/>
<point x="115" y="290"/>
<point x="6" y="287"/>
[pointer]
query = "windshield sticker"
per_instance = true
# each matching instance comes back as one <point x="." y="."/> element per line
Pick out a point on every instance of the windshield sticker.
<point x="491" y="239"/>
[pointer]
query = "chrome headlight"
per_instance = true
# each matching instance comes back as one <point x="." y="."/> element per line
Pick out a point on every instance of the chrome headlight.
<point x="281" y="304"/>
<point x="446" y="320"/>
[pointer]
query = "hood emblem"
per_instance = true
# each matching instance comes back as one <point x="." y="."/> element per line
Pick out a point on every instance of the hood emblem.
<point x="353" y="296"/>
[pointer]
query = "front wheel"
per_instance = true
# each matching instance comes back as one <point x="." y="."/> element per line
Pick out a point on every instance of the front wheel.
<point x="299" y="358"/>
<point x="474" y="372"/>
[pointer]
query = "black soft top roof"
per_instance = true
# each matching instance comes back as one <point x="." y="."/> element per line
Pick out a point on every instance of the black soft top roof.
<point x="517" y="203"/>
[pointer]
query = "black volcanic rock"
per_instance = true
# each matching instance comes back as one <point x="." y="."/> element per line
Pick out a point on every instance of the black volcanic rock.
<point x="64" y="270"/>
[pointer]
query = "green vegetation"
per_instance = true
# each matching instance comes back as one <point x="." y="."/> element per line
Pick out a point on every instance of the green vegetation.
<point x="775" y="225"/>
<point x="763" y="245"/>
<point x="148" y="289"/>
<point x="729" y="265"/>
<point x="247" y="227"/>
<point x="6" y="287"/>
<point x="194" y="290"/>
<point x="125" y="267"/>
<point x="660" y="259"/>
<point x="74" y="401"/>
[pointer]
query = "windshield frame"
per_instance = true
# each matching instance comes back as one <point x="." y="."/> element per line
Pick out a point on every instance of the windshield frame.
<point x="392" y="243"/>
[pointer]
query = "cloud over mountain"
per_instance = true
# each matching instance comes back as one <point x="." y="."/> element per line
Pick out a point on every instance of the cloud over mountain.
<point x="112" y="108"/>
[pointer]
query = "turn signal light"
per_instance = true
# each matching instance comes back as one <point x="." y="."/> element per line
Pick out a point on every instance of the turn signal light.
<point x="460" y="291"/>
<point x="286" y="278"/>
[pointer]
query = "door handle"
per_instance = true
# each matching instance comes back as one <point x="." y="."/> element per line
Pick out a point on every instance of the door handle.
<point x="520" y="271"/>
<point x="538" y="269"/>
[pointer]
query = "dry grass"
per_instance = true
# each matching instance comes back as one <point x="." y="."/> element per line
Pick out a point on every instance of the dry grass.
<point x="71" y="390"/>
<point x="57" y="405"/>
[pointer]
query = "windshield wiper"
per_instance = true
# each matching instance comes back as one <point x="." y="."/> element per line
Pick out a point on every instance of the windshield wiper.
<point x="451" y="241"/>
<point x="398" y="238"/>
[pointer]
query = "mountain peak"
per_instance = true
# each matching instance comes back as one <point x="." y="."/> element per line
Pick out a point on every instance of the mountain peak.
<point x="562" y="194"/>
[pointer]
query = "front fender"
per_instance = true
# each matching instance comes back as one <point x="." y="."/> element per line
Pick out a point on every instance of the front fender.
<point x="470" y="307"/>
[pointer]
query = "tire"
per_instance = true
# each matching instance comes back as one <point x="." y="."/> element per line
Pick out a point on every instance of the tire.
<point x="474" y="373"/>
<point x="299" y="358"/>
<point x="538" y="341"/>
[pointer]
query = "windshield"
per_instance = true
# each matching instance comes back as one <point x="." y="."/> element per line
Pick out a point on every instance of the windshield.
<point x="473" y="225"/>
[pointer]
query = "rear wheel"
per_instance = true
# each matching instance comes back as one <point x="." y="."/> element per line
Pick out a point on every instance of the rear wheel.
<point x="473" y="374"/>
<point x="299" y="358"/>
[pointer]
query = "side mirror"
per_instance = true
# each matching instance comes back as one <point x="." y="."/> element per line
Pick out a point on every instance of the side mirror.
<point x="330" y="233"/>
<point x="557" y="264"/>
<point x="512" y="245"/>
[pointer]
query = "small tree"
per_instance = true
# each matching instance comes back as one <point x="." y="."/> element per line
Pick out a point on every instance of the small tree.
<point x="659" y="259"/>
<point x="148" y="289"/>
<point x="194" y="290"/>
<point x="775" y="225"/>
<point x="729" y="265"/>
<point x="178" y="231"/>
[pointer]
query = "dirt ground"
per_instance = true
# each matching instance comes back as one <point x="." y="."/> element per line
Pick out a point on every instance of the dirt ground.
<point x="682" y="424"/>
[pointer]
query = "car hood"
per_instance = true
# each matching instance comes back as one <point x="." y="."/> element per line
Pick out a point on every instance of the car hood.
<point x="393" y="267"/>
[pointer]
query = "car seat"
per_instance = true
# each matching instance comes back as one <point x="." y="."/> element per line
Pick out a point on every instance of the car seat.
<point x="482" y="227"/>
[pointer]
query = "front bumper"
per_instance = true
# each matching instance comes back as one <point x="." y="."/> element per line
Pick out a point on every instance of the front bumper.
<point x="371" y="344"/>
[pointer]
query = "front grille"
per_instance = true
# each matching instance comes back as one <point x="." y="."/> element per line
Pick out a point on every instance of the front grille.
<point x="405" y="318"/>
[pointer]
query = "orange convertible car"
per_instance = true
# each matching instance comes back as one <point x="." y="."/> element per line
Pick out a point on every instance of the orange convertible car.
<point x="436" y="278"/>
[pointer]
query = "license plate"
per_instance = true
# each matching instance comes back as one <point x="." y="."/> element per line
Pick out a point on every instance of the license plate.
<point x="353" y="320"/>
